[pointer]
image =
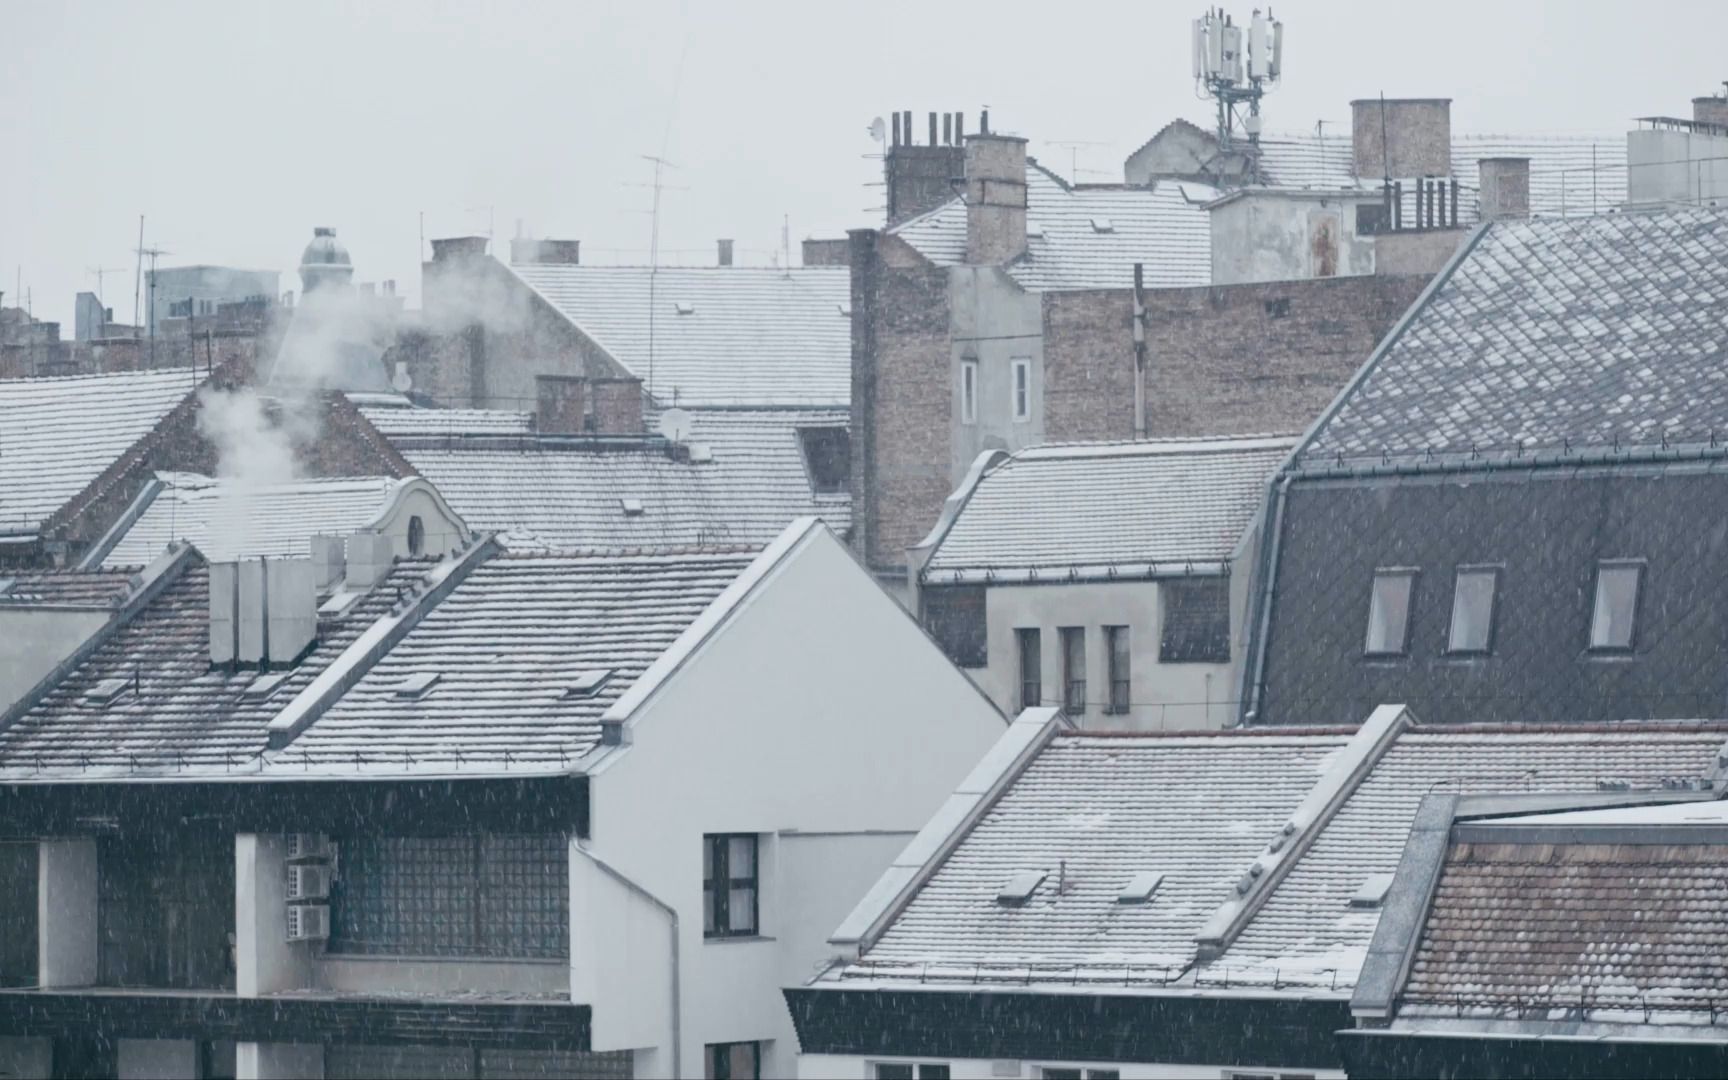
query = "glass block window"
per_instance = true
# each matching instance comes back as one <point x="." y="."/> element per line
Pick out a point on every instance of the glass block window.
<point x="1196" y="621"/>
<point x="954" y="615"/>
<point x="498" y="896"/>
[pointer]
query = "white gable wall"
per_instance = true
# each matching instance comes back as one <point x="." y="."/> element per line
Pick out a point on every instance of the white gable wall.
<point x="849" y="728"/>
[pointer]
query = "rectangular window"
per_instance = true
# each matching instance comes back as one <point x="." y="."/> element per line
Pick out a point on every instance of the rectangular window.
<point x="1073" y="669"/>
<point x="1616" y="608"/>
<point x="827" y="459"/>
<point x="1031" y="666"/>
<point x="1068" y="1072"/>
<point x="906" y="1070"/>
<point x="729" y="885"/>
<point x="1472" y="628"/>
<point x="954" y="615"/>
<point x="734" y="1061"/>
<point x="494" y="896"/>
<point x="1196" y="614"/>
<point x="968" y="391"/>
<point x="1389" y="613"/>
<point x="1022" y="390"/>
<point x="1116" y="648"/>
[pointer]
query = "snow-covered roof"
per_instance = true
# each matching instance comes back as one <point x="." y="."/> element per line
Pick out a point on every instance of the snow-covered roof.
<point x="409" y="420"/>
<point x="58" y="434"/>
<point x="1570" y="173"/>
<point x="743" y="478"/>
<point x="1086" y="817"/>
<point x="1088" y="237"/>
<point x="714" y="335"/>
<point x="1092" y="509"/>
<point x="225" y="520"/>
<point x="1307" y="932"/>
<point x="525" y="655"/>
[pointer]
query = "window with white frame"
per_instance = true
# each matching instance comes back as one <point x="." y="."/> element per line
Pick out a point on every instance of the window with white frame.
<point x="968" y="391"/>
<point x="1616" y="609"/>
<point x="1472" y="629"/>
<point x="911" y="1070"/>
<point x="1022" y="390"/>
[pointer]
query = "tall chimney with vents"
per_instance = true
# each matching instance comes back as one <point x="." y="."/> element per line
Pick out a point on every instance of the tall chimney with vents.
<point x="995" y="199"/>
<point x="263" y="612"/>
<point x="922" y="177"/>
<point x="1712" y="109"/>
<point x="1401" y="137"/>
<point x="1505" y="187"/>
<point x="725" y="252"/>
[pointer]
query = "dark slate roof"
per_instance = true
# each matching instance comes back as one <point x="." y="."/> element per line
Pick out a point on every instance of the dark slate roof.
<point x="182" y="716"/>
<point x="1594" y="927"/>
<point x="1604" y="331"/>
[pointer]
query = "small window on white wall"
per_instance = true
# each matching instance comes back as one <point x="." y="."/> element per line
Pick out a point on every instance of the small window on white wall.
<point x="1022" y="390"/>
<point x="968" y="391"/>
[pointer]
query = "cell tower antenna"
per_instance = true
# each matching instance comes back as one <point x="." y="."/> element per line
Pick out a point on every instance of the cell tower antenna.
<point x="1236" y="67"/>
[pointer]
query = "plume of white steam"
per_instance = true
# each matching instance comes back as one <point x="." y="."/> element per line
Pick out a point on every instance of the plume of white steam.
<point x="464" y="291"/>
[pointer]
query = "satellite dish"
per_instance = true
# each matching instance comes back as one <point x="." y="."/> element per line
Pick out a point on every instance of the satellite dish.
<point x="878" y="130"/>
<point x="674" y="424"/>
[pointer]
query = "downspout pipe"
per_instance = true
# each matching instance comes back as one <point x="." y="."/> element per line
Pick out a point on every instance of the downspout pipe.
<point x="1270" y="543"/>
<point x="672" y="921"/>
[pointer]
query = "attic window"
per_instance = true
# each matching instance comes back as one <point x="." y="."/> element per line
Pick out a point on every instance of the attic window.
<point x="1020" y="888"/>
<point x="845" y="310"/>
<point x="684" y="307"/>
<point x="418" y="685"/>
<point x="107" y="691"/>
<point x="1373" y="891"/>
<point x="1140" y="887"/>
<point x="827" y="458"/>
<point x="263" y="686"/>
<point x="587" y="683"/>
<point x="1103" y="225"/>
<point x="632" y="507"/>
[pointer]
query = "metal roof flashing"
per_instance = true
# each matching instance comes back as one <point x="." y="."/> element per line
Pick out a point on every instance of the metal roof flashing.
<point x="1341" y="779"/>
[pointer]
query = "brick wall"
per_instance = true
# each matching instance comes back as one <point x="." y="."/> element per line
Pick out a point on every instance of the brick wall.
<point x="1089" y="365"/>
<point x="900" y="396"/>
<point x="134" y="354"/>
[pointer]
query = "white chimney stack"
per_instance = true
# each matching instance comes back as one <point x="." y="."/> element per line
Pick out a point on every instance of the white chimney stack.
<point x="263" y="612"/>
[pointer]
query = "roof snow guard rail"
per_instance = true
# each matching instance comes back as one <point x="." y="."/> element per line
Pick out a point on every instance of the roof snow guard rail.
<point x="1341" y="779"/>
<point x="366" y="650"/>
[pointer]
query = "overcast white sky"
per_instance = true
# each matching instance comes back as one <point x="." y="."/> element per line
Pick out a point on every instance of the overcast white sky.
<point x="237" y="127"/>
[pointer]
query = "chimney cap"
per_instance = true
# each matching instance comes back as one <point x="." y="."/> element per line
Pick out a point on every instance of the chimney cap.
<point x="1403" y="101"/>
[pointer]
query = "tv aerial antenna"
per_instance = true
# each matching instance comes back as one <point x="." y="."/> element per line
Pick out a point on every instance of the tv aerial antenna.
<point x="1236" y="66"/>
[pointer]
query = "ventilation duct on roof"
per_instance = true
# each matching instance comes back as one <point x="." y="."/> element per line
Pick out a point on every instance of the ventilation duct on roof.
<point x="262" y="611"/>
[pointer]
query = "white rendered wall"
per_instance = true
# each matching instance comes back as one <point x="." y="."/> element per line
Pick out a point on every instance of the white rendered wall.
<point x="1164" y="696"/>
<point x="443" y="532"/>
<point x="33" y="640"/>
<point x="843" y="722"/>
<point x="265" y="961"/>
<point x="66" y="913"/>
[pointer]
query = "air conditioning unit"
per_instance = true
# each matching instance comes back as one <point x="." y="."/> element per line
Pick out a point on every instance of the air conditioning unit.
<point x="308" y="845"/>
<point x="308" y="882"/>
<point x="308" y="922"/>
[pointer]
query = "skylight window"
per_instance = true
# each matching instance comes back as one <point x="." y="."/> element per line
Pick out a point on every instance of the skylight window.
<point x="632" y="507"/>
<point x="1020" y="888"/>
<point x="1373" y="891"/>
<point x="684" y="307"/>
<point x="1616" y="608"/>
<point x="1473" y="610"/>
<point x="264" y="685"/>
<point x="418" y="685"/>
<point x="1103" y="225"/>
<point x="587" y="683"/>
<point x="1140" y="887"/>
<point x="107" y="691"/>
<point x="1389" y="613"/>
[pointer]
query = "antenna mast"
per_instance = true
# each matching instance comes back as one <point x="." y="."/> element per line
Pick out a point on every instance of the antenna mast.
<point x="1234" y="76"/>
<point x="660" y="164"/>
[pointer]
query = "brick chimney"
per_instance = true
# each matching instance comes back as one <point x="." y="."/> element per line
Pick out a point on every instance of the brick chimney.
<point x="995" y="199"/>
<point x="1712" y="109"/>
<point x="455" y="248"/>
<point x="617" y="406"/>
<point x="922" y="177"/>
<point x="827" y="252"/>
<point x="528" y="252"/>
<point x="1401" y="137"/>
<point x="725" y="247"/>
<point x="1505" y="188"/>
<point x="561" y="404"/>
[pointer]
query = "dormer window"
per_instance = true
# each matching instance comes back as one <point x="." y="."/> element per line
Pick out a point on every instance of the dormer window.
<point x="827" y="459"/>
